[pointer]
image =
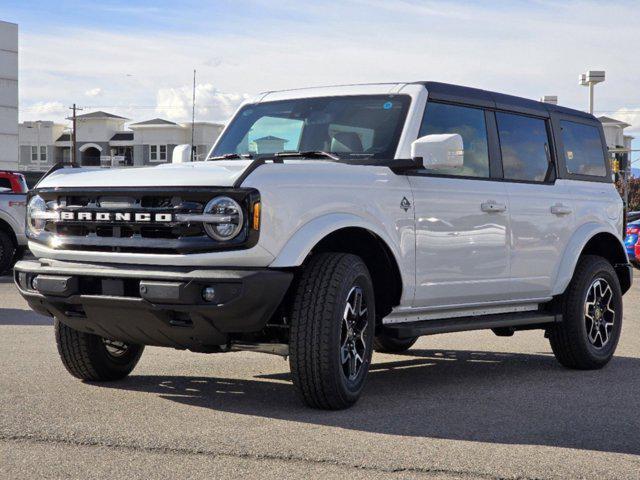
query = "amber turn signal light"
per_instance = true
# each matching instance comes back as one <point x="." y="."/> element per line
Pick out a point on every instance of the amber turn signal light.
<point x="255" y="224"/>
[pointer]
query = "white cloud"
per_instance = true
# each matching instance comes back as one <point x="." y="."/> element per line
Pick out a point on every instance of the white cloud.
<point x="211" y="104"/>
<point x="46" y="111"/>
<point x="630" y="116"/>
<point x="94" y="92"/>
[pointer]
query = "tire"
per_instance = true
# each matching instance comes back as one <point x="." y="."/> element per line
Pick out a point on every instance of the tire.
<point x="585" y="340"/>
<point x="331" y="337"/>
<point x="7" y="252"/>
<point x="19" y="254"/>
<point x="88" y="357"/>
<point x="385" y="344"/>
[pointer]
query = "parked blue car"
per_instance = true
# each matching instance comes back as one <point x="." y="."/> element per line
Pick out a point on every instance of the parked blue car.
<point x="631" y="241"/>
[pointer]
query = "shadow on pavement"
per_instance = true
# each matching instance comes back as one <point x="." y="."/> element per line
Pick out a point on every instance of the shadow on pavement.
<point x="14" y="316"/>
<point x="463" y="395"/>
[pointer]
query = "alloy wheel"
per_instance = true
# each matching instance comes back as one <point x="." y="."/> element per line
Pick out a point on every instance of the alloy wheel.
<point x="353" y="341"/>
<point x="599" y="313"/>
<point x="115" y="348"/>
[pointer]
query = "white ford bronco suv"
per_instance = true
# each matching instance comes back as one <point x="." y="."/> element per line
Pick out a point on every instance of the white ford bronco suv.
<point x="331" y="222"/>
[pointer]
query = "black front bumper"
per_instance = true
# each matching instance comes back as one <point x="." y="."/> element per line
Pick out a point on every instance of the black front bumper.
<point x="153" y="305"/>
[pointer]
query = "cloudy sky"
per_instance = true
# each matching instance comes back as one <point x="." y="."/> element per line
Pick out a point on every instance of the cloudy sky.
<point x="136" y="57"/>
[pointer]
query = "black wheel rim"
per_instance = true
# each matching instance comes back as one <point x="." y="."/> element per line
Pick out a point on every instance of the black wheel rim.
<point x="115" y="348"/>
<point x="599" y="313"/>
<point x="353" y="335"/>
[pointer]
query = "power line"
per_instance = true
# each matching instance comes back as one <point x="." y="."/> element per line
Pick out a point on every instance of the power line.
<point x="621" y="111"/>
<point x="121" y="106"/>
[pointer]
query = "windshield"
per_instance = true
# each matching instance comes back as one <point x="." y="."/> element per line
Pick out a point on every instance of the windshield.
<point x="348" y="127"/>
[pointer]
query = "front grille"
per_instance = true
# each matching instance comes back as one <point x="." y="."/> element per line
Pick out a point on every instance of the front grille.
<point x="138" y="236"/>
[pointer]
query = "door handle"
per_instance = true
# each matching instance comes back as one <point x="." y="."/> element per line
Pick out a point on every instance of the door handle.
<point x="493" y="207"/>
<point x="560" y="209"/>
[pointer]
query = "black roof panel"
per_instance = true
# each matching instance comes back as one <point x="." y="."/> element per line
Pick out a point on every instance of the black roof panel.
<point x="459" y="94"/>
<point x="122" y="136"/>
<point x="500" y="101"/>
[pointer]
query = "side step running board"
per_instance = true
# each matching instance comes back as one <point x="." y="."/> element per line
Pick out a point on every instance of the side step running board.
<point x="461" y="324"/>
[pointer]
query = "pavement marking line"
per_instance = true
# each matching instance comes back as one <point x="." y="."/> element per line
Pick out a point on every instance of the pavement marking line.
<point x="34" y="439"/>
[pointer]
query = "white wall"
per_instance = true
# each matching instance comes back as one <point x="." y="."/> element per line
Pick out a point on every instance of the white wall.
<point x="204" y="136"/>
<point x="8" y="95"/>
<point x="613" y="134"/>
<point x="40" y="132"/>
<point x="204" y="133"/>
<point x="159" y="135"/>
<point x="98" y="129"/>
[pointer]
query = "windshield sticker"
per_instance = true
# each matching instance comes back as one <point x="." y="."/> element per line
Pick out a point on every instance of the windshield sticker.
<point x="387" y="105"/>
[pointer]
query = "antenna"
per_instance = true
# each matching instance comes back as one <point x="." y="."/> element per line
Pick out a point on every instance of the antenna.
<point x="193" y="115"/>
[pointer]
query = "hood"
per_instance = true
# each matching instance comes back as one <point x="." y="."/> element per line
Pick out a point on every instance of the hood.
<point x="221" y="173"/>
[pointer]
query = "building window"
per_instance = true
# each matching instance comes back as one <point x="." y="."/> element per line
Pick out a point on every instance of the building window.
<point x="34" y="154"/>
<point x="43" y="154"/>
<point x="157" y="153"/>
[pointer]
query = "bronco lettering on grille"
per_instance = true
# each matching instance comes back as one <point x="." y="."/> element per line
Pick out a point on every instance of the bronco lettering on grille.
<point x="142" y="217"/>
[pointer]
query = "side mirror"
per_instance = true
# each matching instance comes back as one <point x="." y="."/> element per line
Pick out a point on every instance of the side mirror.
<point x="181" y="154"/>
<point x="438" y="152"/>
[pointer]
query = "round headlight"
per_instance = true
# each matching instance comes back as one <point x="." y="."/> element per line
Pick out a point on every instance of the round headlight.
<point x="226" y="221"/>
<point x="35" y="214"/>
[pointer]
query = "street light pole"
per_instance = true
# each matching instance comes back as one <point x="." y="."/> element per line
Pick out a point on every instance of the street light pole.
<point x="589" y="79"/>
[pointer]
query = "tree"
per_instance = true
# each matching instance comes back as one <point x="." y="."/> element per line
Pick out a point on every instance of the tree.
<point x="634" y="194"/>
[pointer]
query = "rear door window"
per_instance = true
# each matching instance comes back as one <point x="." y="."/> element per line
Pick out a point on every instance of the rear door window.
<point x="524" y="143"/>
<point x="583" y="152"/>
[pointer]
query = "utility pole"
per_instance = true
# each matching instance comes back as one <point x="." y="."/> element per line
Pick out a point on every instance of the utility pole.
<point x="193" y="116"/>
<point x="73" y="134"/>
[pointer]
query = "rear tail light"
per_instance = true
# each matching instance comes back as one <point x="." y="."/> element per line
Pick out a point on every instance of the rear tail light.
<point x="636" y="250"/>
<point x="633" y="230"/>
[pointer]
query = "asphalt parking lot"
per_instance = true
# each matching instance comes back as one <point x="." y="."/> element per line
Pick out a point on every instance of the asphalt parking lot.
<point x="467" y="405"/>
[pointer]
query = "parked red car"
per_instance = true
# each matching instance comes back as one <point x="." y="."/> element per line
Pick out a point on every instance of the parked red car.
<point x="12" y="182"/>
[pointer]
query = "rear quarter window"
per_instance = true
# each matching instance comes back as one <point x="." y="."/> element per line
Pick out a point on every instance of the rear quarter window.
<point x="583" y="152"/>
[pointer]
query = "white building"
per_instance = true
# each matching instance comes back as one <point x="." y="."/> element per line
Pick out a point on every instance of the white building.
<point x="154" y="140"/>
<point x="8" y="95"/>
<point x="613" y="131"/>
<point x="103" y="140"/>
<point x="616" y="138"/>
<point x="37" y="145"/>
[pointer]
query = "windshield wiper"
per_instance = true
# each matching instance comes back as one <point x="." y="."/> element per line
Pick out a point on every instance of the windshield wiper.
<point x="308" y="154"/>
<point x="231" y="156"/>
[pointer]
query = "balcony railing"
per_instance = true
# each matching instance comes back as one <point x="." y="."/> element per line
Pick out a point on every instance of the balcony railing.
<point x="113" y="161"/>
